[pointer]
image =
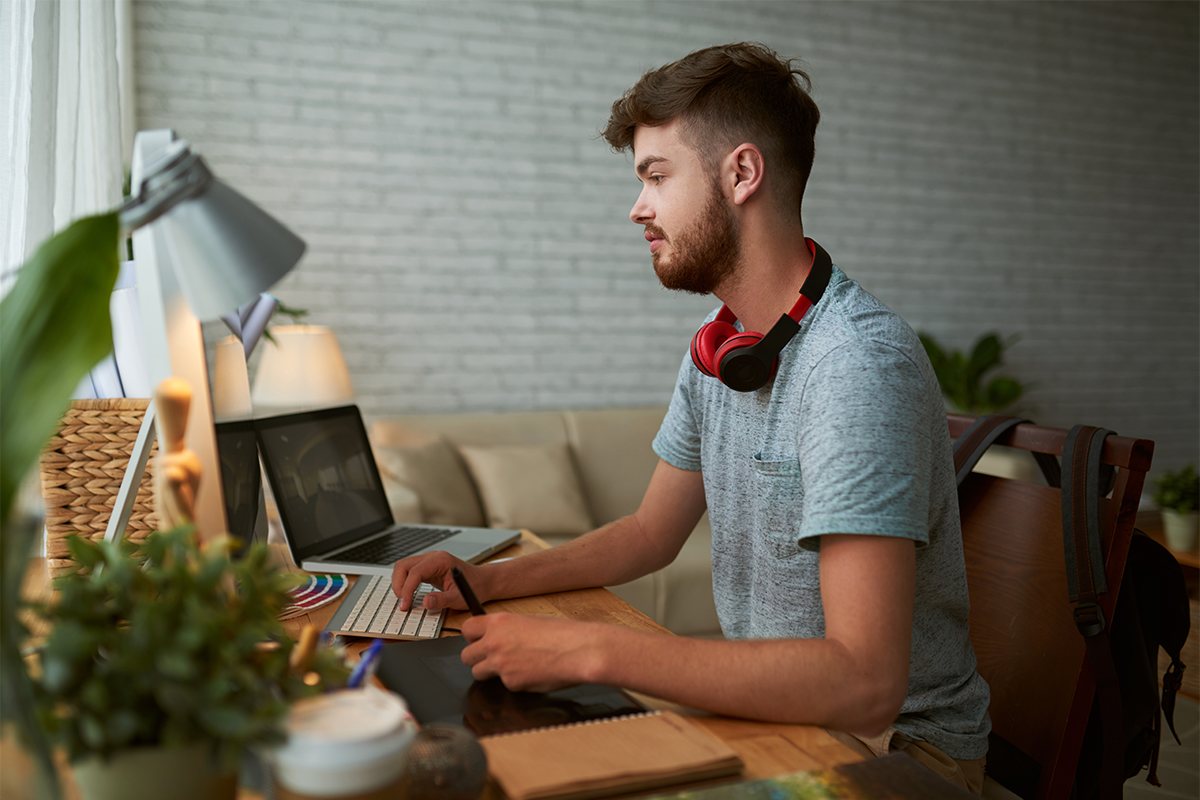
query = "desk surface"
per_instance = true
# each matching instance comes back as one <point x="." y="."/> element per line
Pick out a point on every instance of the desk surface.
<point x="768" y="749"/>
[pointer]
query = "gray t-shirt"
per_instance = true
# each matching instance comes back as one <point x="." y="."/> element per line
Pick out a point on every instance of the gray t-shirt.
<point x="850" y="437"/>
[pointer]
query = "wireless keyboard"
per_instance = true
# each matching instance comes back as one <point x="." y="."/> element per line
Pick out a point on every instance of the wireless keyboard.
<point x="371" y="609"/>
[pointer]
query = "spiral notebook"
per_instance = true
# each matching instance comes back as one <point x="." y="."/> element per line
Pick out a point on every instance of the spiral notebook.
<point x="607" y="756"/>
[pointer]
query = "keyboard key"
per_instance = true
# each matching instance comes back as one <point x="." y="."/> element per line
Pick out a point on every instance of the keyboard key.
<point x="384" y="614"/>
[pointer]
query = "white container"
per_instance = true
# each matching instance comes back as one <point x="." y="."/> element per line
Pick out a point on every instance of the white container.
<point x="344" y="743"/>
<point x="1182" y="530"/>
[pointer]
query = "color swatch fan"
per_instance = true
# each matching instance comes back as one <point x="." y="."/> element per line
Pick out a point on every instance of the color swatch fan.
<point x="316" y="592"/>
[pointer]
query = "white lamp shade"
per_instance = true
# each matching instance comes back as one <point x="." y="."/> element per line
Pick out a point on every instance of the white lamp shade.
<point x="303" y="368"/>
<point x="227" y="250"/>
<point x="231" y="382"/>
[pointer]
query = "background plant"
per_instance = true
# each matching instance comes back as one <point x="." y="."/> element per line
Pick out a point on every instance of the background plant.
<point x="1178" y="490"/>
<point x="187" y="649"/>
<point x="962" y="375"/>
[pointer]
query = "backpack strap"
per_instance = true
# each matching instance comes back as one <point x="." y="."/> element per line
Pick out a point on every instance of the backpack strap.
<point x="972" y="443"/>
<point x="1086" y="581"/>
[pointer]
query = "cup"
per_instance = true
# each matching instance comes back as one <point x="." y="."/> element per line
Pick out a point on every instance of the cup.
<point x="348" y="745"/>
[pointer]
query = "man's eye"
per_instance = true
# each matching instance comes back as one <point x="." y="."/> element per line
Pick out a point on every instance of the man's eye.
<point x="658" y="179"/>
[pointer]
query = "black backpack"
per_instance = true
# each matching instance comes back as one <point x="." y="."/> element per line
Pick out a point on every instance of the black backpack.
<point x="1124" y="727"/>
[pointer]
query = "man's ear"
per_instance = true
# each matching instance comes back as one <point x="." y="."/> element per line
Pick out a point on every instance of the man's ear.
<point x="746" y="168"/>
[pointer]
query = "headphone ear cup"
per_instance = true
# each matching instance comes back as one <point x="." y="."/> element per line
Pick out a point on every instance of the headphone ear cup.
<point x="705" y="343"/>
<point x="739" y="339"/>
<point x="741" y="368"/>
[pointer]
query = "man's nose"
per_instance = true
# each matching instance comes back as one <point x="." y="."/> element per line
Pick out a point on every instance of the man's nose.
<point x="641" y="212"/>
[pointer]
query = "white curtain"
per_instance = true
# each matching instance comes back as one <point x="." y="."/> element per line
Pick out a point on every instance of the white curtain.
<point x="61" y="138"/>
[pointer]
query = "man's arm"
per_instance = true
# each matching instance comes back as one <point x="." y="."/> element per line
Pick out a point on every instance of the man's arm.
<point x="854" y="679"/>
<point x="628" y="548"/>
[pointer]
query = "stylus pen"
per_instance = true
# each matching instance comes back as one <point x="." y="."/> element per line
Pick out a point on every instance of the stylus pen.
<point x="464" y="589"/>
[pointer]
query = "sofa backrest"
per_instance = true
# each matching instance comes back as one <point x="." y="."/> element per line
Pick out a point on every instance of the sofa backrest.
<point x="610" y="447"/>
<point x="477" y="429"/>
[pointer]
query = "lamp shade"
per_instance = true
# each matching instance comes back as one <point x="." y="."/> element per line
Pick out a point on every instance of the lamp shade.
<point x="226" y="250"/>
<point x="303" y="368"/>
<point x="230" y="382"/>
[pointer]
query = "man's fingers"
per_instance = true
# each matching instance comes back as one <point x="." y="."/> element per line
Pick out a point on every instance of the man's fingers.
<point x="473" y="628"/>
<point x="411" y="582"/>
<point x="435" y="601"/>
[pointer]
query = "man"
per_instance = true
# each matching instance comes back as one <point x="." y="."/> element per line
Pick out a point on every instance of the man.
<point x="837" y="557"/>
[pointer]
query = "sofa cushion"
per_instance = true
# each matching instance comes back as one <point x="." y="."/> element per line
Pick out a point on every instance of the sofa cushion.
<point x="435" y="472"/>
<point x="612" y="448"/>
<point x="529" y="486"/>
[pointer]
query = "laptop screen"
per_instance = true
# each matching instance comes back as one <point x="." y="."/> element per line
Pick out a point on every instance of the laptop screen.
<point x="241" y="479"/>
<point x="324" y="478"/>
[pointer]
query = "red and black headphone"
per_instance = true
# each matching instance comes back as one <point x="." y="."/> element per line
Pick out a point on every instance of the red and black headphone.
<point x="746" y="360"/>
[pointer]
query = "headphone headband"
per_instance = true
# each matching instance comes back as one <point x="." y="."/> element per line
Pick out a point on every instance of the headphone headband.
<point x="816" y="282"/>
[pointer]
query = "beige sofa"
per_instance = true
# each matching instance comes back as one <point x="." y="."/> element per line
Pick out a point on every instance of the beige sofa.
<point x="556" y="473"/>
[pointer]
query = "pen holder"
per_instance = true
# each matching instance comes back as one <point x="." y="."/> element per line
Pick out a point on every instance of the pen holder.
<point x="347" y="745"/>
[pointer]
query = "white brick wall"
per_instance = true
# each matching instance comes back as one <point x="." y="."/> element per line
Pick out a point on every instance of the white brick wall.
<point x="1024" y="167"/>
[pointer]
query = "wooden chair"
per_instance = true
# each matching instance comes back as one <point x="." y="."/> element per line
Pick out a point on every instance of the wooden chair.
<point x="1022" y="629"/>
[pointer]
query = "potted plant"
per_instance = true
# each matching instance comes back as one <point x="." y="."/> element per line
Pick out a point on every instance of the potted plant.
<point x="970" y="386"/>
<point x="163" y="662"/>
<point x="1177" y="494"/>
<point x="962" y="375"/>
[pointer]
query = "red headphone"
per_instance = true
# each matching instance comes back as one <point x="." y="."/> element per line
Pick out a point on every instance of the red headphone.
<point x="746" y="360"/>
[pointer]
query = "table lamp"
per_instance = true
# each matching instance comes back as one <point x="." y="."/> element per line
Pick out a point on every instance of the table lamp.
<point x="201" y="251"/>
<point x="301" y="369"/>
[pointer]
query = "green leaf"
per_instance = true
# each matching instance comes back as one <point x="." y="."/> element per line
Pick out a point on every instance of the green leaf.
<point x="84" y="551"/>
<point x="984" y="356"/>
<point x="1002" y="392"/>
<point x="55" y="327"/>
<point x="92" y="731"/>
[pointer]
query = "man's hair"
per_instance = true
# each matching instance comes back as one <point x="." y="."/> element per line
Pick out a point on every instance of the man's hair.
<point x="724" y="96"/>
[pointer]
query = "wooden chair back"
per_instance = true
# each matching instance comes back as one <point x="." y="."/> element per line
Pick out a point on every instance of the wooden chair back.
<point x="1026" y="643"/>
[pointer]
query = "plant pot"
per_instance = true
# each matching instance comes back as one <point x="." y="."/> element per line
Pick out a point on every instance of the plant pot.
<point x="1181" y="529"/>
<point x="152" y="773"/>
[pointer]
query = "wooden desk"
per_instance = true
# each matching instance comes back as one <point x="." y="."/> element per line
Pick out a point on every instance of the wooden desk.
<point x="768" y="749"/>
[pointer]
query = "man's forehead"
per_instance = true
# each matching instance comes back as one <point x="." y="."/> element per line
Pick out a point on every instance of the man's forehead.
<point x="658" y="143"/>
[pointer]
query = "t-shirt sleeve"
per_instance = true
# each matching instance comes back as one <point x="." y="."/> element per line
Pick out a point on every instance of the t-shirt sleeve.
<point x="678" y="438"/>
<point x="864" y="447"/>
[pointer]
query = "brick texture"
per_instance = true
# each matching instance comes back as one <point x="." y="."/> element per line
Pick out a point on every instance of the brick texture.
<point x="1029" y="168"/>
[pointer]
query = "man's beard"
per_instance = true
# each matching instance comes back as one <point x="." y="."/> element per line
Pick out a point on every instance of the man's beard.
<point x="703" y="257"/>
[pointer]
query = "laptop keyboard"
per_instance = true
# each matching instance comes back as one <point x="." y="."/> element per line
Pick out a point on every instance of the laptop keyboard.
<point x="377" y="613"/>
<point x="399" y="543"/>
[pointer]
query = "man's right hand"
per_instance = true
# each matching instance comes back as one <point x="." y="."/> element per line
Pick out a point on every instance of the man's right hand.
<point x="433" y="568"/>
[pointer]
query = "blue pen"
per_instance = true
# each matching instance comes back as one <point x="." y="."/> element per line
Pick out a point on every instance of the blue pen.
<point x="365" y="666"/>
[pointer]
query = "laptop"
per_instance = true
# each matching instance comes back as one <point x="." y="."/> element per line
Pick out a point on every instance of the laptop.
<point x="241" y="483"/>
<point x="332" y="504"/>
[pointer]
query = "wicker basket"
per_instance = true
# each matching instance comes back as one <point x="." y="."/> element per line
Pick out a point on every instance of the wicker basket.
<point x="82" y="469"/>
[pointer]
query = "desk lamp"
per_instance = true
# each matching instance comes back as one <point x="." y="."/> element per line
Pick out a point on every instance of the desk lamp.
<point x="201" y="251"/>
<point x="301" y="369"/>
